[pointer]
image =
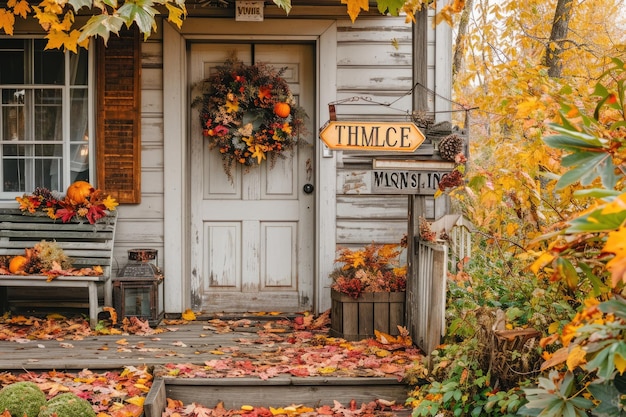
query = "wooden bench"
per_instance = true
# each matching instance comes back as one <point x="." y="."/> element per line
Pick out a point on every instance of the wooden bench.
<point x="87" y="245"/>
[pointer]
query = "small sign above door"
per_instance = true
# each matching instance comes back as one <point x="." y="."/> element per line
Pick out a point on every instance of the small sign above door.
<point x="249" y="11"/>
<point x="372" y="136"/>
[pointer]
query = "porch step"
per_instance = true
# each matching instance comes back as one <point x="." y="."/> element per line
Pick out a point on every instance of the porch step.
<point x="279" y="391"/>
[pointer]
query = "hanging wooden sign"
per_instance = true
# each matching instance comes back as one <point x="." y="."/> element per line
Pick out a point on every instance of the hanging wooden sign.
<point x="249" y="11"/>
<point x="372" y="136"/>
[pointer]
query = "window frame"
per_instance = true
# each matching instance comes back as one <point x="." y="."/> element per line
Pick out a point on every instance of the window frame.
<point x="67" y="88"/>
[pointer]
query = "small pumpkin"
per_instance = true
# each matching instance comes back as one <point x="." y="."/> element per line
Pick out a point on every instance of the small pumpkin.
<point x="17" y="264"/>
<point x="79" y="191"/>
<point x="282" y="109"/>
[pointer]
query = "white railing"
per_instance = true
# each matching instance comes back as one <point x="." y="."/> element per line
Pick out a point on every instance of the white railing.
<point x="426" y="285"/>
<point x="426" y="296"/>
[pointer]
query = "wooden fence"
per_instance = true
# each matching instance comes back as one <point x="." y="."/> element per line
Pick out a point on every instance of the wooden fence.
<point x="429" y="263"/>
<point x="426" y="296"/>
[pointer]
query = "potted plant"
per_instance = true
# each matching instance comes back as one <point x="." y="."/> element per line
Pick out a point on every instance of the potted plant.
<point x="368" y="291"/>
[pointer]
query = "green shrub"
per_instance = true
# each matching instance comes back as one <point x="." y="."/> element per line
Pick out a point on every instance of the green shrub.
<point x="22" y="398"/>
<point x="67" y="405"/>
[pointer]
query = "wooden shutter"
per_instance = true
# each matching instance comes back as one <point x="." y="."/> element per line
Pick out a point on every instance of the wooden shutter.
<point x="118" y="152"/>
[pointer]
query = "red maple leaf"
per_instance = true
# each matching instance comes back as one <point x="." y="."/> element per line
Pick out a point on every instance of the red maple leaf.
<point x="95" y="212"/>
<point x="300" y="371"/>
<point x="65" y="214"/>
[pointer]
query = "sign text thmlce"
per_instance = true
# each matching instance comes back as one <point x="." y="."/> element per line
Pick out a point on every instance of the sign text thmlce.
<point x="378" y="136"/>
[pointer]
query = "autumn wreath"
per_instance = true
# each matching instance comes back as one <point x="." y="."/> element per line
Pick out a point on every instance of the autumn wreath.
<point x="248" y="113"/>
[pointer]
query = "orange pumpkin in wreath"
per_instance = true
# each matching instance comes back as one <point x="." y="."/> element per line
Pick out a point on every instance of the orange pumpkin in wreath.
<point x="282" y="109"/>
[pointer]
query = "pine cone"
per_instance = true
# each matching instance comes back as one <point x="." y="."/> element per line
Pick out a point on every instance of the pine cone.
<point x="33" y="265"/>
<point x="423" y="119"/>
<point x="4" y="261"/>
<point x="451" y="146"/>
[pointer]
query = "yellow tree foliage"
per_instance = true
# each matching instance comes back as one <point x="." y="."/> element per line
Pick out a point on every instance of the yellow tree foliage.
<point x="511" y="190"/>
<point x="58" y="17"/>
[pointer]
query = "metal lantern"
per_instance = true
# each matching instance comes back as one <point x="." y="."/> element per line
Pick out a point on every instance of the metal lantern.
<point x="138" y="287"/>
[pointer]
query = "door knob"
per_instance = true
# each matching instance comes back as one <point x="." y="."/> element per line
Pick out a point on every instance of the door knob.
<point x="308" y="188"/>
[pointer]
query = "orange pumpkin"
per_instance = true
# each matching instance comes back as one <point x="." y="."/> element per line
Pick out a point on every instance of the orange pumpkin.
<point x="79" y="191"/>
<point x="282" y="110"/>
<point x="17" y="264"/>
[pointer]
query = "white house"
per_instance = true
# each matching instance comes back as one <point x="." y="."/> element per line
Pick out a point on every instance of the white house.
<point x="121" y="117"/>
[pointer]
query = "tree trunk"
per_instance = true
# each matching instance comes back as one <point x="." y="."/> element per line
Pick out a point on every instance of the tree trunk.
<point x="459" y="45"/>
<point x="558" y="37"/>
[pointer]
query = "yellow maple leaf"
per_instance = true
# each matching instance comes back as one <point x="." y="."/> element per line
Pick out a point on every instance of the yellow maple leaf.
<point x="388" y="251"/>
<point x="136" y="400"/>
<point x="50" y="211"/>
<point x="110" y="203"/>
<point x="382" y="353"/>
<point x="259" y="153"/>
<point x="20" y="8"/>
<point x="355" y="7"/>
<point x="7" y="21"/>
<point x="26" y="204"/>
<point x="384" y="338"/>
<point x="189" y="315"/>
<point x="576" y="357"/>
<point x="56" y="39"/>
<point x="543" y="260"/>
<point x="327" y="370"/>
<point x="142" y="387"/>
<point x="45" y="18"/>
<point x="232" y="106"/>
<point x="176" y="13"/>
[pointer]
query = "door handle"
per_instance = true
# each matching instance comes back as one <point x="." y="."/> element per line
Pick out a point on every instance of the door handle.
<point x="308" y="188"/>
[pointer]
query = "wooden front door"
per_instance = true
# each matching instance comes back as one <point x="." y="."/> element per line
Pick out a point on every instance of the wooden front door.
<point x="253" y="238"/>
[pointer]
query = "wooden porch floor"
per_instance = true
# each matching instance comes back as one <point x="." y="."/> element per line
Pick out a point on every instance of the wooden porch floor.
<point x="257" y="342"/>
<point x="177" y="343"/>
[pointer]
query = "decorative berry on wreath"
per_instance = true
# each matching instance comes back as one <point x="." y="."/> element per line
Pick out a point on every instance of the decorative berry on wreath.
<point x="248" y="113"/>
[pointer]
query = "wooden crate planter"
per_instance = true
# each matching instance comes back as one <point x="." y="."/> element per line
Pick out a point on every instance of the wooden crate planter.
<point x="356" y="319"/>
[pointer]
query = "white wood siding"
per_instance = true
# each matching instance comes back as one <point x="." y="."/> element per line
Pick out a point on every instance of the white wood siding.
<point x="374" y="67"/>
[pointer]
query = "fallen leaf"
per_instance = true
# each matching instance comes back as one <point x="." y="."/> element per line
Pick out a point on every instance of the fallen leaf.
<point x="189" y="315"/>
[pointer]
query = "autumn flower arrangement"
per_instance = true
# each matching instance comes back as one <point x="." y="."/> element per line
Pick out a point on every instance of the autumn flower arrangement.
<point x="88" y="204"/>
<point x="375" y="268"/>
<point x="248" y="114"/>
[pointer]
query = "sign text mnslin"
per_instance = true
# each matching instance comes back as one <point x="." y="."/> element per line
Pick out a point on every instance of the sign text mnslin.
<point x="380" y="136"/>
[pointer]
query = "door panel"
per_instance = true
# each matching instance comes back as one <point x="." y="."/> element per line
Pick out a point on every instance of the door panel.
<point x="252" y="245"/>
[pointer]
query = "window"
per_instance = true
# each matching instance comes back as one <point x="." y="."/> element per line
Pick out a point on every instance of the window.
<point x="45" y="117"/>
